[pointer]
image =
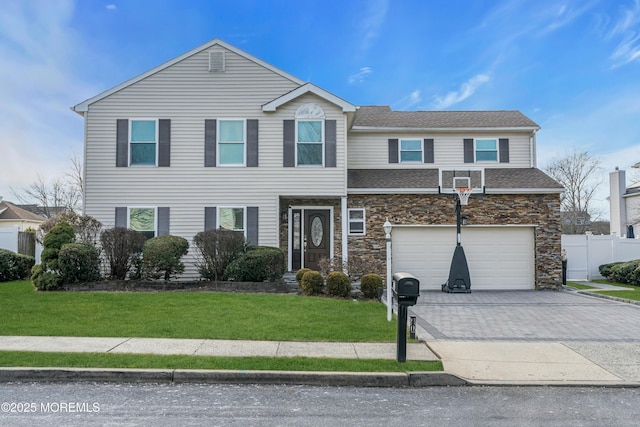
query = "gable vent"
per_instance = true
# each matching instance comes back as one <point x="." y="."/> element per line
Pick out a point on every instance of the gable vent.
<point x="216" y="62"/>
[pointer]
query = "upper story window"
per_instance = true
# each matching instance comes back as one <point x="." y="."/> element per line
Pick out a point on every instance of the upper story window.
<point x="143" y="141"/>
<point x="309" y="135"/>
<point x="143" y="220"/>
<point x="231" y="142"/>
<point x="410" y="150"/>
<point x="486" y="150"/>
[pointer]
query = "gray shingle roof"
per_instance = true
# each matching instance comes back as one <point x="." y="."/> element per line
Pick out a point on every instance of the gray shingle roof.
<point x="503" y="178"/>
<point x="384" y="117"/>
<point x="9" y="211"/>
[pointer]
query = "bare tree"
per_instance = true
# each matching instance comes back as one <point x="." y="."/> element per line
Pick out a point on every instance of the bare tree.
<point x="577" y="173"/>
<point x="58" y="194"/>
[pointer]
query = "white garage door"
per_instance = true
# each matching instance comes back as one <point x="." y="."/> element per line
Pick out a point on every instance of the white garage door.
<point x="499" y="258"/>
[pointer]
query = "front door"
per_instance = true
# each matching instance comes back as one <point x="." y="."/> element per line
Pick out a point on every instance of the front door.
<point x="316" y="237"/>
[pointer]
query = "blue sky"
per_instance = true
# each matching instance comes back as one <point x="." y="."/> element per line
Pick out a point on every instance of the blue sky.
<point x="573" y="66"/>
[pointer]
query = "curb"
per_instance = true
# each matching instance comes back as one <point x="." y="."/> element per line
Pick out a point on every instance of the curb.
<point x="187" y="376"/>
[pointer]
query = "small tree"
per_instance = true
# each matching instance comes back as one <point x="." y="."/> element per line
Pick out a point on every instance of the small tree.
<point x="216" y="250"/>
<point x="56" y="238"/>
<point x="85" y="227"/>
<point x="162" y="256"/>
<point x="121" y="247"/>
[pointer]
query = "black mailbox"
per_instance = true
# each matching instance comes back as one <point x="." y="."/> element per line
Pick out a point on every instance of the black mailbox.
<point x="406" y="288"/>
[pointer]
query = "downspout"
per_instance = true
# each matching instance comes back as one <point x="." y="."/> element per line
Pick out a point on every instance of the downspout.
<point x="532" y="143"/>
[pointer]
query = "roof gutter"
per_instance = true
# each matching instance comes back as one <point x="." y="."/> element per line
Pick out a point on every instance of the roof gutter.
<point x="445" y="129"/>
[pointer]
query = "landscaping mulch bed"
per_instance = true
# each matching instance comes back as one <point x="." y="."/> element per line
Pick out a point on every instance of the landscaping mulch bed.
<point x="178" y="286"/>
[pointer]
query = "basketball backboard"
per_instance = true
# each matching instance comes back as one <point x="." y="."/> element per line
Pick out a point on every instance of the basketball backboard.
<point x="455" y="178"/>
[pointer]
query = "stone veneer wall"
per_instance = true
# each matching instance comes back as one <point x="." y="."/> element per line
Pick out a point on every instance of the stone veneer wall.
<point x="542" y="210"/>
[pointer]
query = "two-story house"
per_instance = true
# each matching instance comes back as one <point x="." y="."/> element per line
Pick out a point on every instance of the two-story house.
<point x="218" y="138"/>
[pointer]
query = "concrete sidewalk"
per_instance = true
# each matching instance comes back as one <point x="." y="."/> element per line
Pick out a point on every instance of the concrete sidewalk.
<point x="476" y="363"/>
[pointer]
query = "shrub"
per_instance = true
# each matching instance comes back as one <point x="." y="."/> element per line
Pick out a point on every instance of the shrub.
<point x="14" y="266"/>
<point x="86" y="227"/>
<point x="624" y="272"/>
<point x="258" y="264"/>
<point x="44" y="280"/>
<point x="217" y="249"/>
<point x="356" y="266"/>
<point x="369" y="285"/>
<point x="606" y="269"/>
<point x="338" y="284"/>
<point x="121" y="248"/>
<point x="162" y="256"/>
<point x="78" y="263"/>
<point x="312" y="283"/>
<point x="56" y="238"/>
<point x="300" y="273"/>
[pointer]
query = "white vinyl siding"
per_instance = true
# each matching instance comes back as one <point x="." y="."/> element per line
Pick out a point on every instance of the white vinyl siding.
<point x="189" y="94"/>
<point x="371" y="150"/>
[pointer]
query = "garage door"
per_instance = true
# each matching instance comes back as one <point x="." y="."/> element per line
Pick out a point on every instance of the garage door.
<point x="499" y="258"/>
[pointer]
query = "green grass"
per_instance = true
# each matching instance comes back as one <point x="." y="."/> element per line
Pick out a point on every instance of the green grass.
<point x="205" y="315"/>
<point x="633" y="292"/>
<point x="580" y="286"/>
<point x="145" y="361"/>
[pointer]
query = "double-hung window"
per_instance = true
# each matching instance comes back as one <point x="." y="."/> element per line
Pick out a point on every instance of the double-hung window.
<point x="356" y="222"/>
<point x="309" y="142"/>
<point x="143" y="142"/>
<point x="143" y="219"/>
<point x="232" y="218"/>
<point x="410" y="150"/>
<point x="486" y="150"/>
<point x="231" y="142"/>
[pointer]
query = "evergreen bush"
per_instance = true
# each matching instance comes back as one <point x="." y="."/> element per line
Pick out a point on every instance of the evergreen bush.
<point x="14" y="266"/>
<point x="257" y="264"/>
<point x="338" y="284"/>
<point x="300" y="273"/>
<point x="79" y="263"/>
<point x="369" y="285"/>
<point x="162" y="256"/>
<point x="312" y="283"/>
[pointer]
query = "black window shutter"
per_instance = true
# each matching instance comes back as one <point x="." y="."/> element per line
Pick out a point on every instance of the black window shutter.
<point x="122" y="143"/>
<point x="121" y="217"/>
<point x="504" y="150"/>
<point x="468" y="150"/>
<point x="252" y="143"/>
<point x="393" y="151"/>
<point x="428" y="150"/>
<point x="330" y="143"/>
<point x="252" y="225"/>
<point x="163" y="221"/>
<point x="209" y="143"/>
<point x="164" y="143"/>
<point x="289" y="143"/>
<point x="210" y="218"/>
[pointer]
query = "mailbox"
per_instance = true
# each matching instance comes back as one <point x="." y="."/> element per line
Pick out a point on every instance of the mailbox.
<point x="406" y="288"/>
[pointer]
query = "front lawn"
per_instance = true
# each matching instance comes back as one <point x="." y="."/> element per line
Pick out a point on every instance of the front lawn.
<point x="203" y="315"/>
<point x="580" y="286"/>
<point x="633" y="292"/>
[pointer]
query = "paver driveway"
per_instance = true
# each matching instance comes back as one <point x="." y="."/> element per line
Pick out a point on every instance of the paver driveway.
<point x="564" y="316"/>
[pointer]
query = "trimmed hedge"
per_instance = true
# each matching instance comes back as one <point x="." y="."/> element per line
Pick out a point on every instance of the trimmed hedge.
<point x="14" y="266"/>
<point x="300" y="273"/>
<point x="161" y="256"/>
<point x="622" y="272"/>
<point x="312" y="283"/>
<point x="369" y="285"/>
<point x="79" y="263"/>
<point x="338" y="284"/>
<point x="257" y="264"/>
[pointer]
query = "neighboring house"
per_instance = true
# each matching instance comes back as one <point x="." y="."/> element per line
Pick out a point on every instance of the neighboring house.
<point x="624" y="204"/>
<point x="14" y="216"/>
<point x="45" y="211"/>
<point x="218" y="138"/>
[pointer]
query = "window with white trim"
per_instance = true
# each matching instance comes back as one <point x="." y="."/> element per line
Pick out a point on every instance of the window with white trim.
<point x="356" y="222"/>
<point x="310" y="142"/>
<point x="486" y="149"/>
<point x="143" y="142"/>
<point x="144" y="220"/>
<point x="410" y="150"/>
<point x="231" y="142"/>
<point x="232" y="218"/>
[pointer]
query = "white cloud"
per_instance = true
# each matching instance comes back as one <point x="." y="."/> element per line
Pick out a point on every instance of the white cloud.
<point x="467" y="89"/>
<point x="409" y="101"/>
<point x="372" y="21"/>
<point x="111" y="7"/>
<point x="627" y="27"/>
<point x="360" y="76"/>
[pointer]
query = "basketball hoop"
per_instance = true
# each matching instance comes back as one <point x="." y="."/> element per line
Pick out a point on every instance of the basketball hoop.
<point x="463" y="194"/>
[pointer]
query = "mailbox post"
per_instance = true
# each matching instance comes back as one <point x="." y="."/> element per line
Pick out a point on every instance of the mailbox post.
<point x="406" y="290"/>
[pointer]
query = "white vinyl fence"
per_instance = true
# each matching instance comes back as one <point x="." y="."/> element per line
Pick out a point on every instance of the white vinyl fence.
<point x="9" y="237"/>
<point x="586" y="252"/>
